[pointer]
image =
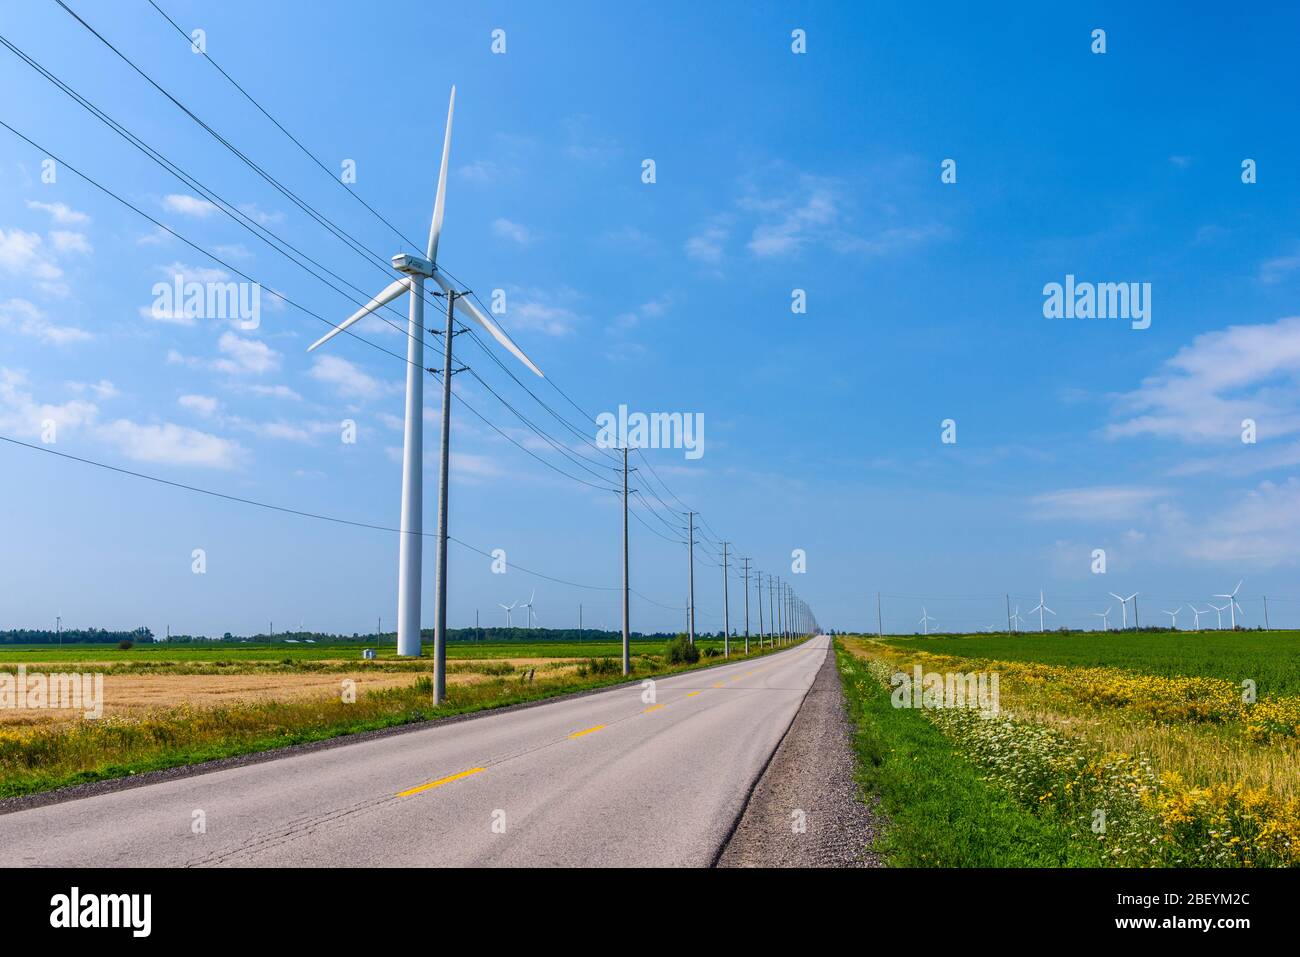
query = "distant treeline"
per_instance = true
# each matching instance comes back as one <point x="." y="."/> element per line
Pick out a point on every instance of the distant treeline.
<point x="72" y="636"/>
<point x="36" y="636"/>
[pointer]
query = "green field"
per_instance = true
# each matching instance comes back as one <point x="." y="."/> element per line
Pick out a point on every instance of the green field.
<point x="1270" y="658"/>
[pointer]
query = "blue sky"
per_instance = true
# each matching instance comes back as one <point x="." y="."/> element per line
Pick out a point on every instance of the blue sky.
<point x="774" y="172"/>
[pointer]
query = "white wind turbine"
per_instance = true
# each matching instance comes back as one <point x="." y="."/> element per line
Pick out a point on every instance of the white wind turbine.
<point x="1233" y="606"/>
<point x="925" y="620"/>
<point x="1173" y="616"/>
<point x="416" y="270"/>
<point x="529" y="605"/>
<point x="1218" y="611"/>
<point x="1040" y="608"/>
<point x="509" y="610"/>
<point x="1016" y="620"/>
<point x="1196" y="615"/>
<point x="1123" y="606"/>
<point x="1105" y="619"/>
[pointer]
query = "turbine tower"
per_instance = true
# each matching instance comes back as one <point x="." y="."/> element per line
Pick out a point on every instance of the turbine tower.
<point x="1196" y="615"/>
<point x="1173" y="616"/>
<point x="925" y="620"/>
<point x="529" y="605"/>
<point x="1232" y="604"/>
<point x="1040" y="608"/>
<point x="415" y="270"/>
<point x="1105" y="618"/>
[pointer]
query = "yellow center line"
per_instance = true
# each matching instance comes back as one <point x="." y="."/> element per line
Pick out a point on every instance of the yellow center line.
<point x="693" y="694"/>
<point x="440" y="782"/>
<point x="717" y="684"/>
<point x="653" y="707"/>
<point x="578" y="734"/>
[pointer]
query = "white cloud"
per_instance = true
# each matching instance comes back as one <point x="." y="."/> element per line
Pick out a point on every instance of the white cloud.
<point x="514" y="232"/>
<point x="24" y="318"/>
<point x="171" y="444"/>
<point x="204" y="405"/>
<point x="1207" y="388"/>
<point x="20" y="254"/>
<point x="349" y="380"/>
<point x="1277" y="269"/>
<point x="190" y="273"/>
<point x="1260" y="526"/>
<point x="274" y="392"/>
<point x="245" y="356"/>
<point x="257" y="215"/>
<point x="799" y="222"/>
<point x="1100" y="502"/>
<point x="23" y="416"/>
<point x="189" y="205"/>
<point x="103" y="389"/>
<point x="707" y="245"/>
<point x="548" y="318"/>
<point x="61" y="213"/>
<point x="66" y="241"/>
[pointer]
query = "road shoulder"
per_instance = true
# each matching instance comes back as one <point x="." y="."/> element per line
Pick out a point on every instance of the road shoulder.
<point x="805" y="811"/>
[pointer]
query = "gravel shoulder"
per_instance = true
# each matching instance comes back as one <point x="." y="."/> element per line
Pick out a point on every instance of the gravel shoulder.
<point x="809" y="781"/>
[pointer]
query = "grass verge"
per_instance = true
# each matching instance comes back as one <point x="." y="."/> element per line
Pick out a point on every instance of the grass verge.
<point x="939" y="809"/>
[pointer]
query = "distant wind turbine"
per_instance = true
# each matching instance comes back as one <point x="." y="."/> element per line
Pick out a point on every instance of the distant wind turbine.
<point x="1040" y="608"/>
<point x="1105" y="619"/>
<point x="1219" y="610"/>
<point x="1196" y="615"/>
<point x="1016" y="620"/>
<point x="1233" y="607"/>
<point x="1173" y="616"/>
<point x="926" y="619"/>
<point x="529" y="605"/>
<point x="1124" y="607"/>
<point x="509" y="609"/>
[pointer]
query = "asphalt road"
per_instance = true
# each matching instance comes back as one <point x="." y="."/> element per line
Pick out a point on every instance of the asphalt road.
<point x="599" y="780"/>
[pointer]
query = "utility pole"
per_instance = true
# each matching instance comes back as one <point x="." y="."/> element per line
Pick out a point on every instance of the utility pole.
<point x="477" y="636"/>
<point x="771" y="617"/>
<point x="627" y="660"/>
<point x="880" y="622"/>
<point x="58" y="628"/>
<point x="726" y="607"/>
<point x="761" y="631"/>
<point x="1008" y="598"/>
<point x="1136" y="624"/>
<point x="1266" y="613"/>
<point x="580" y="621"/>
<point x="690" y="563"/>
<point x="746" y="561"/>
<point x="440" y="574"/>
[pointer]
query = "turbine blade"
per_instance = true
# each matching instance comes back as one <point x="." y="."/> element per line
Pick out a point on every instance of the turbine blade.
<point x="384" y="298"/>
<point x="440" y="202"/>
<point x="466" y="306"/>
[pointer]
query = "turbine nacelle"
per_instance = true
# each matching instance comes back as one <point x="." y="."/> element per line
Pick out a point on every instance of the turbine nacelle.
<point x="413" y="265"/>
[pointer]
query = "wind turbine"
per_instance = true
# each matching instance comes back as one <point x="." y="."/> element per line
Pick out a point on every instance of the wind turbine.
<point x="926" y="619"/>
<point x="415" y="270"/>
<point x="1124" y="607"/>
<point x="509" y="609"/>
<point x="1173" y="616"/>
<point x="1016" y="620"/>
<point x="1219" y="613"/>
<point x="529" y="605"/>
<point x="1196" y="615"/>
<point x="1040" y="608"/>
<point x="1232" y="604"/>
<point x="1105" y="618"/>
